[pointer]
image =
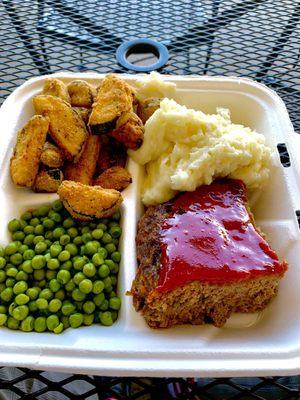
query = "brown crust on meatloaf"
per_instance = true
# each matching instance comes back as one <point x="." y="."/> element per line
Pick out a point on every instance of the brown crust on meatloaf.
<point x="196" y="302"/>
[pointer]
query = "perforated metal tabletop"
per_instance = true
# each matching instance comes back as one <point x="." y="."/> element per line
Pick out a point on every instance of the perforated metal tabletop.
<point x="254" y="38"/>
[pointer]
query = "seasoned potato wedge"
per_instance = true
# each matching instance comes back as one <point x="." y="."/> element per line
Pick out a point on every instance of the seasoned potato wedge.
<point x="84" y="113"/>
<point x="114" y="97"/>
<point x="56" y="88"/>
<point x="48" y="180"/>
<point x="66" y="127"/>
<point x="81" y="93"/>
<point x="129" y="130"/>
<point x="84" y="170"/>
<point x="24" y="163"/>
<point x="147" y="107"/>
<point x="117" y="178"/>
<point x="88" y="202"/>
<point x="52" y="156"/>
<point x="112" y="153"/>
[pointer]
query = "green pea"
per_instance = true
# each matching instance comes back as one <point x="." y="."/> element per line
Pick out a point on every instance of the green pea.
<point x="63" y="276"/>
<point x="77" y="295"/>
<point x="101" y="226"/>
<point x="103" y="271"/>
<point x="40" y="247"/>
<point x="60" y="294"/>
<point x="14" y="225"/>
<point x="40" y="324"/>
<point x="28" y="254"/>
<point x="38" y="262"/>
<point x="57" y="205"/>
<point x="42" y="211"/>
<point x="78" y="277"/>
<point x="22" y="299"/>
<point x="89" y="307"/>
<point x="112" y="223"/>
<point x="114" y="315"/>
<point x="115" y="303"/>
<point x="28" y="229"/>
<point x="111" y="265"/>
<point x="102" y="252"/>
<point x="98" y="287"/>
<point x="86" y="286"/>
<point x="50" y="274"/>
<point x="52" y="322"/>
<point x="72" y="232"/>
<point x="2" y="262"/>
<point x="42" y="304"/>
<point x="78" y="240"/>
<point x="46" y="294"/>
<point x="2" y="276"/>
<point x="97" y="259"/>
<point x="89" y="270"/>
<point x="53" y="263"/>
<point x="115" y="232"/>
<point x="42" y="282"/>
<point x="10" y="282"/>
<point x="64" y="256"/>
<point x="88" y="319"/>
<point x="112" y="294"/>
<point x="72" y="249"/>
<point x="28" y="240"/>
<point x="3" y="319"/>
<point x="76" y="320"/>
<point x="27" y="266"/>
<point x="67" y="265"/>
<point x="64" y="239"/>
<point x="32" y="293"/>
<point x="21" y="276"/>
<point x="54" y="305"/>
<point x="12" y="323"/>
<point x="55" y="250"/>
<point x="20" y="312"/>
<point x="68" y="223"/>
<point x="116" y="216"/>
<point x="67" y="308"/>
<point x="85" y="229"/>
<point x="106" y="318"/>
<point x="32" y="306"/>
<point x="39" y="229"/>
<point x="26" y="216"/>
<point x="99" y="299"/>
<point x="34" y="222"/>
<point x="70" y="286"/>
<point x="48" y="224"/>
<point x="97" y="234"/>
<point x="38" y="239"/>
<point x="104" y="305"/>
<point x="110" y="247"/>
<point x="58" y="232"/>
<point x="19" y="235"/>
<point x="23" y="248"/>
<point x="27" y="324"/>
<point x="59" y="328"/>
<point x="86" y="237"/>
<point x="10" y="249"/>
<point x="20" y="287"/>
<point x="54" y="285"/>
<point x="79" y="263"/>
<point x="106" y="238"/>
<point x="16" y="259"/>
<point x="113" y="280"/>
<point x="55" y="217"/>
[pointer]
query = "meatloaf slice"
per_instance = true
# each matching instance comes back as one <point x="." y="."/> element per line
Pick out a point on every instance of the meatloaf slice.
<point x="197" y="301"/>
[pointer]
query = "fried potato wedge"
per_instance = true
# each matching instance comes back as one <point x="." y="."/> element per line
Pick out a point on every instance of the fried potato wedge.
<point x="112" y="153"/>
<point x="81" y="93"/>
<point x="52" y="156"/>
<point x="147" y="107"/>
<point x="24" y="163"/>
<point x="117" y="178"/>
<point x="66" y="127"/>
<point x="84" y="170"/>
<point x="48" y="180"/>
<point x="114" y="97"/>
<point x="88" y="202"/>
<point x="129" y="130"/>
<point x="56" y="88"/>
<point x="84" y="113"/>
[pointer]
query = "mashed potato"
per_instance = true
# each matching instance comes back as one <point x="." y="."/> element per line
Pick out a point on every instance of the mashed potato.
<point x="184" y="149"/>
<point x="153" y="85"/>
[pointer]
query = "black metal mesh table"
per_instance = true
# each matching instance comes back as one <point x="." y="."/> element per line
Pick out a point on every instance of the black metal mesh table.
<point x="253" y="38"/>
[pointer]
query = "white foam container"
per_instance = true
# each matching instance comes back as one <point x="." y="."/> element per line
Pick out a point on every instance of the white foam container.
<point x="267" y="343"/>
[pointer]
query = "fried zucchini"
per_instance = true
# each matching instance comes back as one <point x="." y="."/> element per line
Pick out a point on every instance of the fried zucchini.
<point x="129" y="130"/>
<point x="147" y="107"/>
<point x="52" y="156"/>
<point x="48" y="180"/>
<point x="88" y="202"/>
<point x="84" y="170"/>
<point x="111" y="154"/>
<point x="84" y="113"/>
<point x="114" y="97"/>
<point x="117" y="178"/>
<point x="24" y="163"/>
<point x="66" y="127"/>
<point x="81" y="93"/>
<point x="56" y="88"/>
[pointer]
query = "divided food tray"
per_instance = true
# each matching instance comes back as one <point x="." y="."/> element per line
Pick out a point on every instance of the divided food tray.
<point x="266" y="343"/>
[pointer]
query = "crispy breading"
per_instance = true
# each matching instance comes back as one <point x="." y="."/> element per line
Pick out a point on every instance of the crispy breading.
<point x="83" y="171"/>
<point x="66" y="127"/>
<point x="48" y="180"/>
<point x="81" y="93"/>
<point x="117" y="178"/>
<point x="52" y="156"/>
<point x="24" y="163"/>
<point x="112" y="153"/>
<point x="84" y="113"/>
<point x="114" y="97"/>
<point x="88" y="202"/>
<point x="56" y="88"/>
<point x="147" y="107"/>
<point x="129" y="130"/>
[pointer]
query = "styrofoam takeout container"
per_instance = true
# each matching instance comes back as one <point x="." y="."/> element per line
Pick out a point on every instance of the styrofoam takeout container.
<point x="267" y="343"/>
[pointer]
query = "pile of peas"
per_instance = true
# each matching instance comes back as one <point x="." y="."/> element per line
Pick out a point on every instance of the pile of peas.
<point x="58" y="272"/>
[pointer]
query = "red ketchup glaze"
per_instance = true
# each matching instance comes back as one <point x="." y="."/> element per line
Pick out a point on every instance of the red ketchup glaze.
<point x="209" y="237"/>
